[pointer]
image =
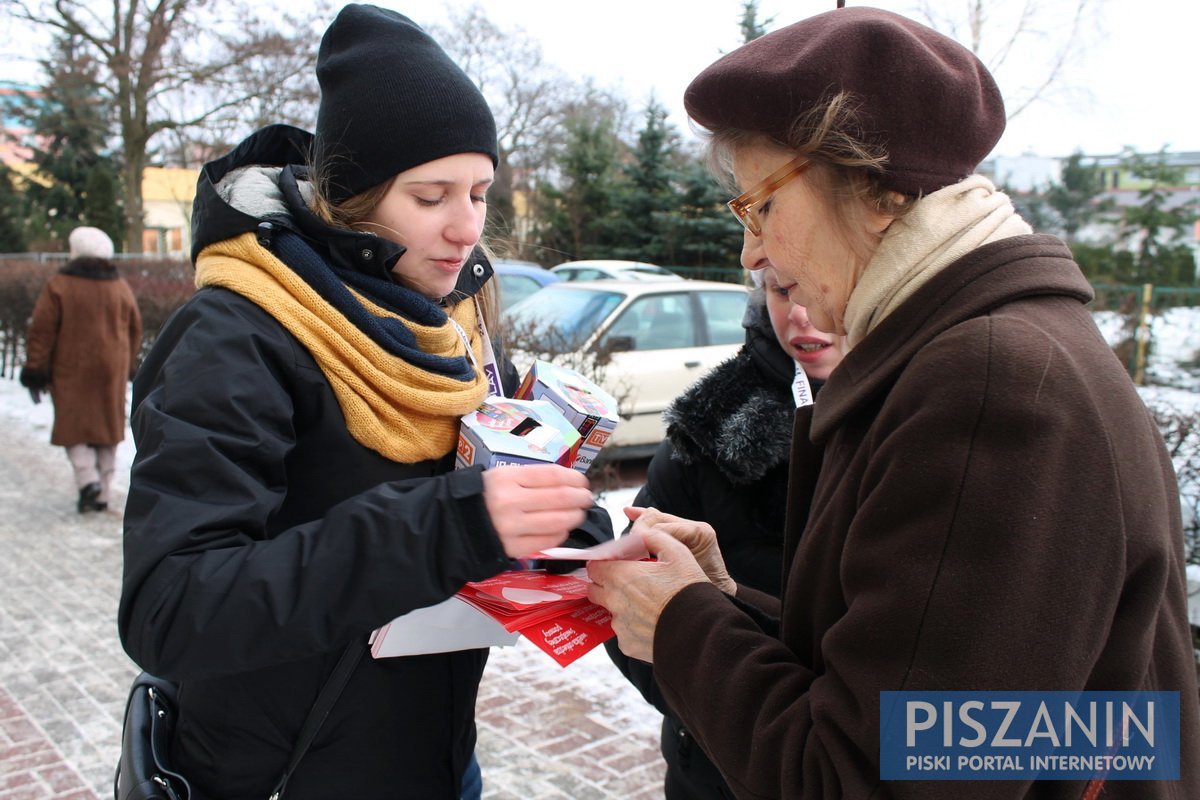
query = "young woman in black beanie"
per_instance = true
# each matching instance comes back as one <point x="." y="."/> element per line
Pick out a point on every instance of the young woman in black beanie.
<point x="295" y="423"/>
<point x="979" y="501"/>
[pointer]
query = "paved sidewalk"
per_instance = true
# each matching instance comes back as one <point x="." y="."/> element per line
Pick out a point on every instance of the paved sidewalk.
<point x="545" y="733"/>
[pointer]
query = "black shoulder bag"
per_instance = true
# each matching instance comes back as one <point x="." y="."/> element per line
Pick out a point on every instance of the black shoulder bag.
<point x="144" y="771"/>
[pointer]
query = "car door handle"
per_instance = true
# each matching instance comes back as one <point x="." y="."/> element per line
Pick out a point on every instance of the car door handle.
<point x="691" y="364"/>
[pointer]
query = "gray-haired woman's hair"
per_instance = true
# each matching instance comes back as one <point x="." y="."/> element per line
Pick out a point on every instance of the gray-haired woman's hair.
<point x="829" y="133"/>
<point x="846" y="168"/>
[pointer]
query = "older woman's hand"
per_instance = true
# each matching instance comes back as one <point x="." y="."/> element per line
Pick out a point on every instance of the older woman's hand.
<point x="636" y="592"/>
<point x="699" y="537"/>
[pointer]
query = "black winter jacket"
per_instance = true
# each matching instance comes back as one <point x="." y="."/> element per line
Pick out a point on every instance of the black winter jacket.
<point x="725" y="461"/>
<point x="261" y="539"/>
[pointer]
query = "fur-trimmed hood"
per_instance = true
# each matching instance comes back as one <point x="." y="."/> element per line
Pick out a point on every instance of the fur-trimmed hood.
<point x="739" y="416"/>
<point x="262" y="186"/>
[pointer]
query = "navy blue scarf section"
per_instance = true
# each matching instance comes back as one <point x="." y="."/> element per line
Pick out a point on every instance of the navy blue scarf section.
<point x="388" y="332"/>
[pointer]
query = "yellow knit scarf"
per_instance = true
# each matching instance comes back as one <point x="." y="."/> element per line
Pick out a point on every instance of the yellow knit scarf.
<point x="399" y="410"/>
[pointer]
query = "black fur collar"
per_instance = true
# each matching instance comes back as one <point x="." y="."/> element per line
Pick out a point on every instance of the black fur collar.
<point x="97" y="269"/>
<point x="739" y="416"/>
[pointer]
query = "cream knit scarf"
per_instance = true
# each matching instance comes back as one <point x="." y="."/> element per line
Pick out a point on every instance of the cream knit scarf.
<point x="399" y="410"/>
<point x="941" y="228"/>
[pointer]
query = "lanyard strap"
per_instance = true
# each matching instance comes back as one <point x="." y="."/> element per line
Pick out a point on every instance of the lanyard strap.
<point x="490" y="367"/>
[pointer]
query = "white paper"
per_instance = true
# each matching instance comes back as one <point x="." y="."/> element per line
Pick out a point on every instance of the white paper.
<point x="630" y="547"/>
<point x="451" y="625"/>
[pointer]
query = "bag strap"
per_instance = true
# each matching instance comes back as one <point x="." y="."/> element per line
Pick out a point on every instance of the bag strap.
<point x="320" y="710"/>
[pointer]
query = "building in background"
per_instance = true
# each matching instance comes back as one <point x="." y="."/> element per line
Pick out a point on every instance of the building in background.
<point x="1033" y="174"/>
<point x="1024" y="173"/>
<point x="167" y="194"/>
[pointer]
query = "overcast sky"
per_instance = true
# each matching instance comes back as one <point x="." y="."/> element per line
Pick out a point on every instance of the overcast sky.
<point x="1131" y="87"/>
<point x="1134" y="85"/>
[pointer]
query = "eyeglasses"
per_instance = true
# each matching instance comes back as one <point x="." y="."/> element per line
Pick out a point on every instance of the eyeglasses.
<point x="743" y="206"/>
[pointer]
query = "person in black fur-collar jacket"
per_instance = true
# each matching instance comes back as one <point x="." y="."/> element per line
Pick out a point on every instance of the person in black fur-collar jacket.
<point x="725" y="462"/>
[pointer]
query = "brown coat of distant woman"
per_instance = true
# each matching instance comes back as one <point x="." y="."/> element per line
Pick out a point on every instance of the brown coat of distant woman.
<point x="84" y="338"/>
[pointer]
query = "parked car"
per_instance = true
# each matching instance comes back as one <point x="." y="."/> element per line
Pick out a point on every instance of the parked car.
<point x="651" y="339"/>
<point x="613" y="270"/>
<point x="519" y="279"/>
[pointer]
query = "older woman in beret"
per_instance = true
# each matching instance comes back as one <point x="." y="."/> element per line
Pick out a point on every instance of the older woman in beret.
<point x="994" y="509"/>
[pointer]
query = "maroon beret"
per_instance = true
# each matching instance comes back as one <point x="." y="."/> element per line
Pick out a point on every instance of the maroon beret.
<point x="922" y="96"/>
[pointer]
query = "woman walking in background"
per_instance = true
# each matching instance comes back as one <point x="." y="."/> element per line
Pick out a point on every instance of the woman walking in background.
<point x="82" y="346"/>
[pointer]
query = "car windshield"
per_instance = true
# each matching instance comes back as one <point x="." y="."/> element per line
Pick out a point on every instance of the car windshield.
<point x="559" y="318"/>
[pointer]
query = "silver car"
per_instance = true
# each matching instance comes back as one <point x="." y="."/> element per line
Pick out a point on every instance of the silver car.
<point x="645" y="342"/>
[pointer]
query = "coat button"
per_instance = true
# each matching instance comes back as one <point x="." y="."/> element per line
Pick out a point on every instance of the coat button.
<point x="478" y="270"/>
<point x="264" y="233"/>
<point x="367" y="254"/>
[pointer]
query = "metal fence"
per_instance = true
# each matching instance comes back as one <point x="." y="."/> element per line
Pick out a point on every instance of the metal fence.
<point x="1155" y="330"/>
<point x="43" y="258"/>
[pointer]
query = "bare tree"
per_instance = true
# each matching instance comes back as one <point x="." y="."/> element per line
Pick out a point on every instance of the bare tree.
<point x="1050" y="34"/>
<point x="282" y="68"/>
<point x="175" y="65"/>
<point x="527" y="96"/>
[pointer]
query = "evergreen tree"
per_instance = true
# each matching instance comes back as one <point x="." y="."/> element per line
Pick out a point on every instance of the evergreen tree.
<point x="572" y="208"/>
<point x="654" y="201"/>
<point x="1035" y="209"/>
<point x="643" y="229"/>
<point x="1156" y="228"/>
<point x="707" y="234"/>
<point x="12" y="233"/>
<point x="102" y="203"/>
<point x="1073" y="197"/>
<point x="751" y="27"/>
<point x="69" y="126"/>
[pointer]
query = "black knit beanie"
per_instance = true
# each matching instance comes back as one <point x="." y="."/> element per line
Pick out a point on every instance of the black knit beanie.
<point x="391" y="99"/>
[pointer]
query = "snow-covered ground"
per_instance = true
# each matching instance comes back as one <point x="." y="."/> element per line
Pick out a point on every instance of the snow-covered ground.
<point x="1174" y="353"/>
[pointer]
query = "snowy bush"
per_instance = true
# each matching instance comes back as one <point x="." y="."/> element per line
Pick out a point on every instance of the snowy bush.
<point x="1178" y="416"/>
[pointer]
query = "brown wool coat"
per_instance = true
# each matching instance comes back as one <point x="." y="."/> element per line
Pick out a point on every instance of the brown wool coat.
<point x="85" y="333"/>
<point x="995" y="511"/>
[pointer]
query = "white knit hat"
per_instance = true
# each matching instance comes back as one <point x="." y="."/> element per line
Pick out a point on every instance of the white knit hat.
<point x="90" y="243"/>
